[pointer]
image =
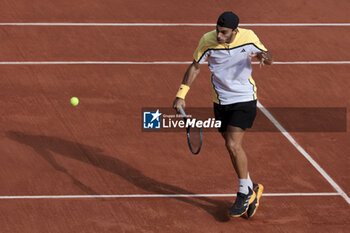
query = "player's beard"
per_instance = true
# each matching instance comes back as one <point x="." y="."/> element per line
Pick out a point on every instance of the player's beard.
<point x="228" y="41"/>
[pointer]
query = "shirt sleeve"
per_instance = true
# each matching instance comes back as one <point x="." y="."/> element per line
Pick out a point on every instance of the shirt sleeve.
<point x="201" y="53"/>
<point x="258" y="46"/>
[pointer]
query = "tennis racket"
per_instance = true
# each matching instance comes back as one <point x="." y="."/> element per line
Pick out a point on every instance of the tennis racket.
<point x="194" y="135"/>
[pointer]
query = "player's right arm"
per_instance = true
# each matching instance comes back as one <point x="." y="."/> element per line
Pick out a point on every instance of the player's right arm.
<point x="190" y="75"/>
<point x="199" y="57"/>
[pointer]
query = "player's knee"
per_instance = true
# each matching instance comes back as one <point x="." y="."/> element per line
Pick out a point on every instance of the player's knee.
<point x="233" y="147"/>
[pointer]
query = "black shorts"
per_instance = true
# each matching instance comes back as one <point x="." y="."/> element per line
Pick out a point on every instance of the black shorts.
<point x="241" y="115"/>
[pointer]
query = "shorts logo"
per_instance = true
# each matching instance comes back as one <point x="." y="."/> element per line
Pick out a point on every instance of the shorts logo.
<point x="151" y="120"/>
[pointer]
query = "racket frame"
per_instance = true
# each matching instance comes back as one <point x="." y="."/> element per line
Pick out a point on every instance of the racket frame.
<point x="182" y="112"/>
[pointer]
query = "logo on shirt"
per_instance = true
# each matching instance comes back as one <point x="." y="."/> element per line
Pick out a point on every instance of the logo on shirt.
<point x="243" y="51"/>
<point x="151" y="120"/>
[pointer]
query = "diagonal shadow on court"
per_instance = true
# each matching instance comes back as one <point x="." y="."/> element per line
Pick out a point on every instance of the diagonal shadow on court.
<point x="45" y="145"/>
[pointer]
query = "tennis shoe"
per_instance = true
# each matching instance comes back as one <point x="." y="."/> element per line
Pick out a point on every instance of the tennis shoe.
<point x="242" y="203"/>
<point x="258" y="189"/>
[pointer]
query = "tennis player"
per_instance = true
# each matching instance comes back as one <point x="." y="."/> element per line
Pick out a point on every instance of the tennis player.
<point x="229" y="50"/>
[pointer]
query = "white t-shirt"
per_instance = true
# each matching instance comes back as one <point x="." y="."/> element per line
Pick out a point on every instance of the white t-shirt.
<point x="230" y="65"/>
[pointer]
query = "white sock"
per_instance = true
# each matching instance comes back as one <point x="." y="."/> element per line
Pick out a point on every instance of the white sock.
<point x="244" y="184"/>
<point x="251" y="182"/>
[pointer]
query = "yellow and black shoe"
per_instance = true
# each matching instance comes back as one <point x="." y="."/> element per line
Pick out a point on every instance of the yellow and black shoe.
<point x="242" y="203"/>
<point x="258" y="189"/>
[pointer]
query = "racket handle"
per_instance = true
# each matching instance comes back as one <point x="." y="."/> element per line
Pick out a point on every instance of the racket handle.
<point x="182" y="112"/>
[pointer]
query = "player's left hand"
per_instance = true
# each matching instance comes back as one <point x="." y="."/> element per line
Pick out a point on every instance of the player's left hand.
<point x="261" y="56"/>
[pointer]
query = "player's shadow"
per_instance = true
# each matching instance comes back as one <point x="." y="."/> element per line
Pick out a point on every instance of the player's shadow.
<point x="45" y="145"/>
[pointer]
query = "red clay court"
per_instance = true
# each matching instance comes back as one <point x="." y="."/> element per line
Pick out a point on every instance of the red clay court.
<point x="91" y="168"/>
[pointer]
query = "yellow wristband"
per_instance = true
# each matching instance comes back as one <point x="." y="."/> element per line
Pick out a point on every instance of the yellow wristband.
<point x="182" y="91"/>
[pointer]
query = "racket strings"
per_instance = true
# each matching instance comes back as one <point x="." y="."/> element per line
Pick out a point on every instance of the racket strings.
<point x="195" y="139"/>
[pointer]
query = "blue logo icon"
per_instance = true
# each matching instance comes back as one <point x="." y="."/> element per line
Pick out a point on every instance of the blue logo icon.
<point x="151" y="120"/>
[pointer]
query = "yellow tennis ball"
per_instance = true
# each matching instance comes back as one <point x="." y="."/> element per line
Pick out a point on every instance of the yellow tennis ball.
<point x="74" y="101"/>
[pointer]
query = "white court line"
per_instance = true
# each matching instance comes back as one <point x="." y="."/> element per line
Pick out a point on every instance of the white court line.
<point x="304" y="153"/>
<point x="160" y="195"/>
<point x="154" y="62"/>
<point x="178" y="24"/>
